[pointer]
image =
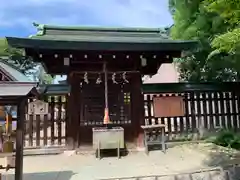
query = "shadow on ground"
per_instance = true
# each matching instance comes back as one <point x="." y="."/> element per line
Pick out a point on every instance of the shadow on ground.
<point x="221" y="156"/>
<point x="225" y="158"/>
<point x="63" y="175"/>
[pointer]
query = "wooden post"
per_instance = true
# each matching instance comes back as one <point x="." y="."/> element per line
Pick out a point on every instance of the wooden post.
<point x="19" y="139"/>
<point x="137" y="108"/>
<point x="73" y="111"/>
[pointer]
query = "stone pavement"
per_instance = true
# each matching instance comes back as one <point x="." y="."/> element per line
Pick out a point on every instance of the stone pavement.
<point x="87" y="167"/>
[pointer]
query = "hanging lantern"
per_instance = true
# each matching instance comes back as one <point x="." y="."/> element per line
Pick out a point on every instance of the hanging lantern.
<point x="85" y="77"/>
<point x="99" y="80"/>
<point x="114" y="78"/>
<point x="124" y="78"/>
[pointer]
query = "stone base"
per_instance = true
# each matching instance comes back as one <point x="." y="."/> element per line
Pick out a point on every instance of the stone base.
<point x="70" y="152"/>
<point x="140" y="149"/>
<point x="140" y="140"/>
<point x="10" y="161"/>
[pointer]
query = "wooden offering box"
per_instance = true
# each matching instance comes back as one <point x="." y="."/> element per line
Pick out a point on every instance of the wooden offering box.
<point x="108" y="138"/>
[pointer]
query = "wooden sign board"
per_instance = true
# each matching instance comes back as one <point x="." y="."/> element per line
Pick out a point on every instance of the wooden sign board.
<point x="168" y="106"/>
<point x="38" y="107"/>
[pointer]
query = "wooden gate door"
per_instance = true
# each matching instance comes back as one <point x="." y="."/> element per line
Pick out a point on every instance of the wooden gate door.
<point x="92" y="108"/>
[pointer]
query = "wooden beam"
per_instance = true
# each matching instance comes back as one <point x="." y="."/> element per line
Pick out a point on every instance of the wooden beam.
<point x="92" y="60"/>
<point x="101" y="72"/>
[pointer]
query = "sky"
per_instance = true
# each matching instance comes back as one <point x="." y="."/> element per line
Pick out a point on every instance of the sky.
<point x="16" y="18"/>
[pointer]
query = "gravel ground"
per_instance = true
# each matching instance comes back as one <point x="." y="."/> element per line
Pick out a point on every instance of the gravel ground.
<point x="178" y="159"/>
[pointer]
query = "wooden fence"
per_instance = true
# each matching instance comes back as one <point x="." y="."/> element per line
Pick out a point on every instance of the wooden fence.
<point x="208" y="107"/>
<point x="47" y="130"/>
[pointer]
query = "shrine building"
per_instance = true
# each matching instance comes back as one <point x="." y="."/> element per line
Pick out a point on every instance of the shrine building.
<point x="8" y="72"/>
<point x="104" y="68"/>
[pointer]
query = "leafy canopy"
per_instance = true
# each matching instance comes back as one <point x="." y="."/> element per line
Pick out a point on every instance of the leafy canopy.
<point x="217" y="29"/>
<point x="229" y="11"/>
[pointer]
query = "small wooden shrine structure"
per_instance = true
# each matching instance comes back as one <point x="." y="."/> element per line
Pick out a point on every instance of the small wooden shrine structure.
<point x="17" y="94"/>
<point x="88" y="56"/>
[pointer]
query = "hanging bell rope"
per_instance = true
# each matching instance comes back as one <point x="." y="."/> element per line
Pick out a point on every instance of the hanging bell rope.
<point x="106" y="119"/>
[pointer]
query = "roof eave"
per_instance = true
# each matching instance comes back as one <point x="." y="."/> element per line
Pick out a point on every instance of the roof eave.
<point x="32" y="92"/>
<point x="100" y="46"/>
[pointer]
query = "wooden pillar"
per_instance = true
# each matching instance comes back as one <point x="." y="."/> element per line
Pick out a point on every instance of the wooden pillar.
<point x="20" y="138"/>
<point x="73" y="112"/>
<point x="137" y="107"/>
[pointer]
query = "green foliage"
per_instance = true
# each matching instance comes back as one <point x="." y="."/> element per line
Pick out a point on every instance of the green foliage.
<point x="229" y="11"/>
<point x="42" y="77"/>
<point x="204" y="20"/>
<point x="228" y="42"/>
<point x="228" y="138"/>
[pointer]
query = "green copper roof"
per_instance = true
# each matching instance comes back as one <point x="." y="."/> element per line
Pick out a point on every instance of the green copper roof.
<point x="101" y="34"/>
<point x="100" y="38"/>
<point x="12" y="73"/>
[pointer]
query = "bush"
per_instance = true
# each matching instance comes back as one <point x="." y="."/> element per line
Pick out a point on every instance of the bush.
<point x="228" y="138"/>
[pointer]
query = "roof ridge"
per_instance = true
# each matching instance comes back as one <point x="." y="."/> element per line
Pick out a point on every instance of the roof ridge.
<point x="43" y="27"/>
<point x="40" y="29"/>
